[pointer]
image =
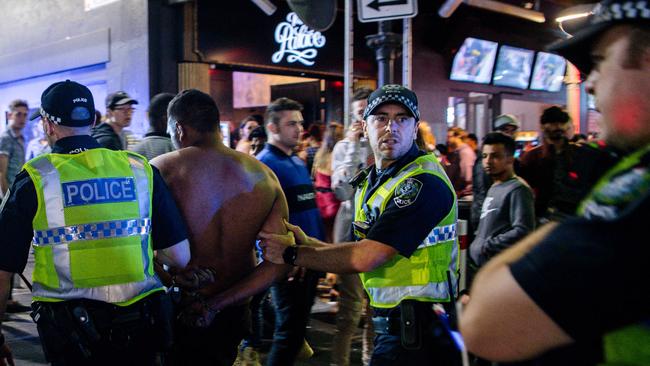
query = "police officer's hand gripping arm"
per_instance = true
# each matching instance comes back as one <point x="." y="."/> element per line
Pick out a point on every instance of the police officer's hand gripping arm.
<point x="352" y="257"/>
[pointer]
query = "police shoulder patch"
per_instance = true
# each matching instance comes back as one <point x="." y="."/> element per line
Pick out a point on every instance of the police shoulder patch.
<point x="407" y="192"/>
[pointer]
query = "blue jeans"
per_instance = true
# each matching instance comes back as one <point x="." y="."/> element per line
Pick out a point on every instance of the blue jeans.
<point x="293" y="301"/>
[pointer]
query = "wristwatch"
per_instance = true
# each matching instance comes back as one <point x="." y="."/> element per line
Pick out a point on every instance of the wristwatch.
<point x="290" y="255"/>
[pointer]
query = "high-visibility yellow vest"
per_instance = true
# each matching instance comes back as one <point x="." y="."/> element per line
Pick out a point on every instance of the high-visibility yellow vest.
<point x="423" y="276"/>
<point x="627" y="346"/>
<point x="92" y="227"/>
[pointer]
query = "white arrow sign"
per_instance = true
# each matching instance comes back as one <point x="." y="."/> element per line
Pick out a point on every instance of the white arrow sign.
<point x="377" y="10"/>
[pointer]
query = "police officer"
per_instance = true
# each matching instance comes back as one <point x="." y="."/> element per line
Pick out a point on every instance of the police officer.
<point x="95" y="218"/>
<point x="585" y="279"/>
<point x="405" y="224"/>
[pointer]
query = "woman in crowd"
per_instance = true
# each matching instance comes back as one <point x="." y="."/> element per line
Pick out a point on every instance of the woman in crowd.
<point x="322" y="174"/>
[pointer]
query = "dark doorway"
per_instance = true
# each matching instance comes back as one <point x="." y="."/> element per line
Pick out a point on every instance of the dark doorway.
<point x="308" y="94"/>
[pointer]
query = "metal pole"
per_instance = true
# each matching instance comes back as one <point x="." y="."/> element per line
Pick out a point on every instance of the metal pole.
<point x="348" y="62"/>
<point x="385" y="43"/>
<point x="407" y="53"/>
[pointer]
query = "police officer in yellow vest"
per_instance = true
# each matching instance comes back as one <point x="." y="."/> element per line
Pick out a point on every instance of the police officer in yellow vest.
<point x="96" y="218"/>
<point x="405" y="224"/>
<point x="585" y="279"/>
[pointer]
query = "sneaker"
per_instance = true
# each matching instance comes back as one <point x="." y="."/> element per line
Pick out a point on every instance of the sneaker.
<point x="305" y="352"/>
<point x="247" y="356"/>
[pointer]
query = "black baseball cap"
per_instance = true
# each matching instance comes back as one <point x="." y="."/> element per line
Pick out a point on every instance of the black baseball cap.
<point x="605" y="14"/>
<point x="393" y="93"/>
<point x="67" y="103"/>
<point x="119" y="98"/>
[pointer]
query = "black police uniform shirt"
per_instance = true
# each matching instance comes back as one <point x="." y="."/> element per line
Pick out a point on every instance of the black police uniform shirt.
<point x="589" y="275"/>
<point x="407" y="221"/>
<point x="167" y="226"/>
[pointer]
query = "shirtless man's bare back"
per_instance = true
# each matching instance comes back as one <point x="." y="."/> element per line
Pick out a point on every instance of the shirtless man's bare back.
<point x="226" y="198"/>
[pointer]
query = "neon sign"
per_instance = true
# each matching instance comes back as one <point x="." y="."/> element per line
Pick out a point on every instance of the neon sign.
<point x="297" y="41"/>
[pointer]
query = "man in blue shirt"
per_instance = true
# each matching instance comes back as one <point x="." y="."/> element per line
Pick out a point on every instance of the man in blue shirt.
<point x="293" y="298"/>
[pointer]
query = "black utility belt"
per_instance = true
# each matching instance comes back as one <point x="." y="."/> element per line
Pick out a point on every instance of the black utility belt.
<point x="411" y="321"/>
<point x="80" y="326"/>
<point x="103" y="314"/>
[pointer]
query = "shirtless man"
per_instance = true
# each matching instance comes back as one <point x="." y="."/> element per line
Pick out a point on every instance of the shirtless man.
<point x="225" y="197"/>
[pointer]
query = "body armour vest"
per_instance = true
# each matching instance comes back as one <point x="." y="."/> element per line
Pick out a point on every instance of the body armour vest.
<point x="625" y="183"/>
<point x="427" y="274"/>
<point x="92" y="227"/>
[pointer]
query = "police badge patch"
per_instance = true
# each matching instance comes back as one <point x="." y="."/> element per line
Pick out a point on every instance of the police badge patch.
<point x="407" y="192"/>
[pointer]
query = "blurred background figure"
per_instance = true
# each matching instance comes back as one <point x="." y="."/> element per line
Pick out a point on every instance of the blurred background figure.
<point x="311" y="141"/>
<point x="247" y="126"/>
<point x="350" y="155"/>
<point x="461" y="162"/>
<point x="156" y="141"/>
<point x="425" y="139"/>
<point x="119" y="111"/>
<point x="327" y="203"/>
<point x="38" y="144"/>
<point x="12" y="158"/>
<point x="472" y="141"/>
<point x="560" y="172"/>
<point x="257" y="138"/>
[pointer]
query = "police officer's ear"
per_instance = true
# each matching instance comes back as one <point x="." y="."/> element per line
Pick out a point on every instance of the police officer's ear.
<point x="47" y="127"/>
<point x="417" y="128"/>
<point x="364" y="128"/>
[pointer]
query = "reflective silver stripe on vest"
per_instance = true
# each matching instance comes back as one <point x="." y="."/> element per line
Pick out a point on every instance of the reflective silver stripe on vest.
<point x="51" y="192"/>
<point x="438" y="235"/>
<point x="111" y="293"/>
<point x="142" y="184"/>
<point x="102" y="230"/>
<point x="393" y="295"/>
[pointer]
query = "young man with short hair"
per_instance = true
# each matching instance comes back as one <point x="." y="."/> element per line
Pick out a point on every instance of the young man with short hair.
<point x="12" y="144"/>
<point x="508" y="213"/>
<point x="224" y="196"/>
<point x="119" y="111"/>
<point x="294" y="297"/>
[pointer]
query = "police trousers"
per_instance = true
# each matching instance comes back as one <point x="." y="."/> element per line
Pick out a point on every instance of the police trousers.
<point x="89" y="332"/>
<point x="432" y="344"/>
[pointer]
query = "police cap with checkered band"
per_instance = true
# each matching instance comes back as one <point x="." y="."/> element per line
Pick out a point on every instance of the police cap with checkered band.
<point x="605" y="14"/>
<point x="68" y="103"/>
<point x="393" y="93"/>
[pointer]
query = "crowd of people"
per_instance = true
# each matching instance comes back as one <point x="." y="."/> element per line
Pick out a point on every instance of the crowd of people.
<point x="167" y="251"/>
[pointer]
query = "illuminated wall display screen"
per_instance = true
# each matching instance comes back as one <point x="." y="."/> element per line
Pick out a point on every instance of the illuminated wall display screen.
<point x="474" y="61"/>
<point x="513" y="67"/>
<point x="548" y="72"/>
